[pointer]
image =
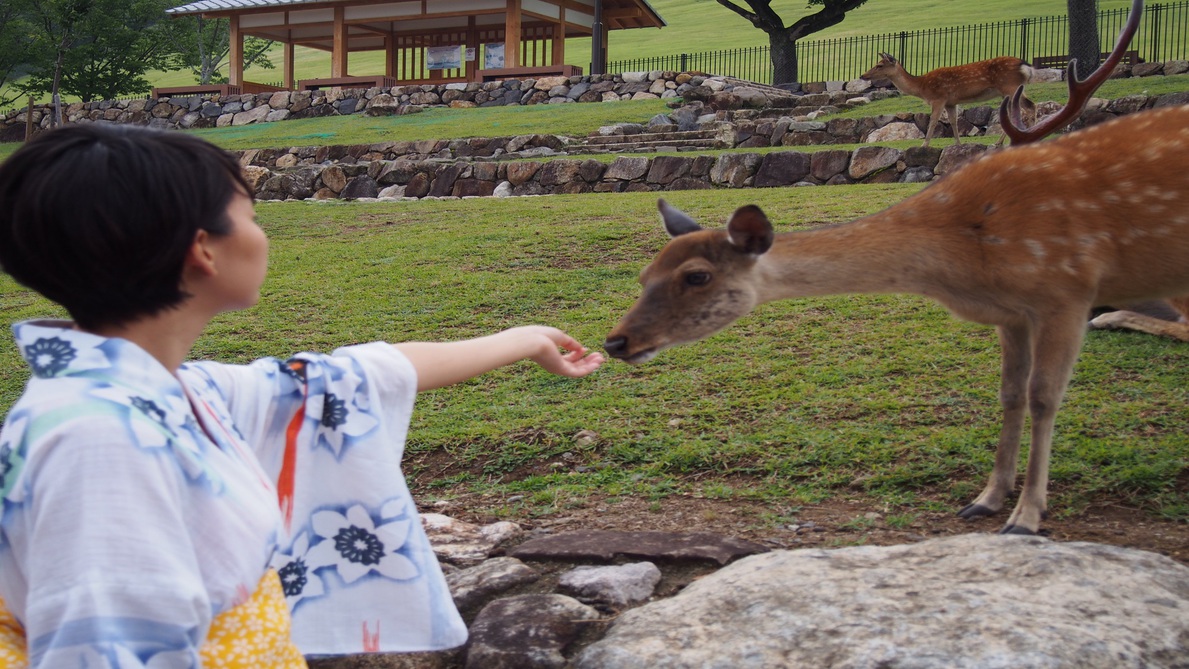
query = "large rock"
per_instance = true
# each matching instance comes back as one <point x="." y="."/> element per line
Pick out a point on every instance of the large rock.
<point x="735" y="169"/>
<point x="525" y="632"/>
<point x="974" y="601"/>
<point x="783" y="168"/>
<point x="895" y="131"/>
<point x="867" y="160"/>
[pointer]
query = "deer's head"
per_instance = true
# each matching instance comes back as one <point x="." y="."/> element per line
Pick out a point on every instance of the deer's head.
<point x="698" y="284"/>
<point x="884" y="69"/>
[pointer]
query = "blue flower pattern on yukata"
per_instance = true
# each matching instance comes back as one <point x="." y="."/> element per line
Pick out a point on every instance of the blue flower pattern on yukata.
<point x="342" y="417"/>
<point x="49" y="356"/>
<point x="350" y="544"/>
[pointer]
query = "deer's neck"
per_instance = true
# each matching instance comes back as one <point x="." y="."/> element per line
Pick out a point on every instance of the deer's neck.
<point x="905" y="82"/>
<point x="883" y="253"/>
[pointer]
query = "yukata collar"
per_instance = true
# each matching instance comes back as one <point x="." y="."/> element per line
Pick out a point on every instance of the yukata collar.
<point x="57" y="349"/>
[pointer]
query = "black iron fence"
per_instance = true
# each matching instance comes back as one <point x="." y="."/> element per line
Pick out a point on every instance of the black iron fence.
<point x="1163" y="35"/>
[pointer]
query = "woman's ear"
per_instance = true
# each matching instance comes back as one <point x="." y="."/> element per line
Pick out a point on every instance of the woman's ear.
<point x="200" y="256"/>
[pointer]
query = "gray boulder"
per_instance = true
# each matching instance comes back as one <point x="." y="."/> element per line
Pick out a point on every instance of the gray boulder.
<point x="975" y="601"/>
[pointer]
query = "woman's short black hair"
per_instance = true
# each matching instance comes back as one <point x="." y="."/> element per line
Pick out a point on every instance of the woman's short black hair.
<point x="99" y="217"/>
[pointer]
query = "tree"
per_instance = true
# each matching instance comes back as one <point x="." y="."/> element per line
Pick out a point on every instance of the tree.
<point x="1083" y="35"/>
<point x="782" y="40"/>
<point x="95" y="49"/>
<point x="14" y="32"/>
<point x="202" y="46"/>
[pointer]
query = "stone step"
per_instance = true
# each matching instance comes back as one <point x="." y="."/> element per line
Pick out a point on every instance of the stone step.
<point x="680" y="135"/>
<point x="635" y="147"/>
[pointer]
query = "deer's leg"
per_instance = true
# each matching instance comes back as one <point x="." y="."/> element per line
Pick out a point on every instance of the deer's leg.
<point x="1170" y="320"/>
<point x="1054" y="351"/>
<point x="951" y="113"/>
<point x="1016" y="365"/>
<point x="934" y="117"/>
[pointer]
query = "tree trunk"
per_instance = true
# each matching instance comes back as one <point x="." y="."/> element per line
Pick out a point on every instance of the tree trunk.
<point x="1083" y="36"/>
<point x="783" y="52"/>
<point x="57" y="95"/>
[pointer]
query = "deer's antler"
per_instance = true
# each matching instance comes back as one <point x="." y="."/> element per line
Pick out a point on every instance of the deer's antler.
<point x="1079" y="90"/>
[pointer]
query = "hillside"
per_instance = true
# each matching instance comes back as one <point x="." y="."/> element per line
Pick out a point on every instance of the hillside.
<point x="704" y="25"/>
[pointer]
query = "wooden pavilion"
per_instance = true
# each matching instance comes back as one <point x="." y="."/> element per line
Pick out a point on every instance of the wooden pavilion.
<point x="424" y="41"/>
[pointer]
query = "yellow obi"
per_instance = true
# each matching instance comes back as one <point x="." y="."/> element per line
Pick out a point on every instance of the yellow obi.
<point x="254" y="634"/>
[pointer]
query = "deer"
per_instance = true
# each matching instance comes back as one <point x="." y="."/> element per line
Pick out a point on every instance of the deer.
<point x="1028" y="239"/>
<point x="947" y="87"/>
<point x="1163" y="318"/>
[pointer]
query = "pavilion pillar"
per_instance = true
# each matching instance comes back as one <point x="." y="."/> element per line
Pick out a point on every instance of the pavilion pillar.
<point x="512" y="35"/>
<point x="472" y="66"/>
<point x="338" y="59"/>
<point x="287" y="70"/>
<point x="389" y="55"/>
<point x="559" y="43"/>
<point x="235" y="55"/>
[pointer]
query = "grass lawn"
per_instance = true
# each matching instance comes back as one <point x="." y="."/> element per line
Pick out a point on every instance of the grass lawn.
<point x="695" y="26"/>
<point x="883" y="397"/>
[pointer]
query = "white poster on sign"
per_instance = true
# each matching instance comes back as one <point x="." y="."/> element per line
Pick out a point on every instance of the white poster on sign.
<point x="468" y="54"/>
<point x="443" y="57"/>
<point x="493" y="56"/>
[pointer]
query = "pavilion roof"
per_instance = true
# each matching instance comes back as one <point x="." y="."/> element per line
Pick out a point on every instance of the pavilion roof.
<point x="617" y="14"/>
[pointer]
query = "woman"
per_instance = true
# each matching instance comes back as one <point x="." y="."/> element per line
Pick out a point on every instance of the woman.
<point x="160" y="513"/>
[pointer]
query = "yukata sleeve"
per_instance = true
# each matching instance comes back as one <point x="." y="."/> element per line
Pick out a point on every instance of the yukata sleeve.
<point x="315" y="400"/>
<point x="316" y="414"/>
<point x="112" y="575"/>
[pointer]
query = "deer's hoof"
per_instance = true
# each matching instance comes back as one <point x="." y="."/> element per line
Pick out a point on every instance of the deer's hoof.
<point x="1017" y="530"/>
<point x="972" y="511"/>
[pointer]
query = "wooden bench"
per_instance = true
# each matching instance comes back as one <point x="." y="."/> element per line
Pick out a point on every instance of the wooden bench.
<point x="379" y="81"/>
<point x="1129" y="57"/>
<point x="521" y="72"/>
<point x="224" y="90"/>
<point x="197" y="89"/>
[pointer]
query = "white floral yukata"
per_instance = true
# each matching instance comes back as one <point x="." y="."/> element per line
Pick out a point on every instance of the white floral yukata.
<point x="136" y="508"/>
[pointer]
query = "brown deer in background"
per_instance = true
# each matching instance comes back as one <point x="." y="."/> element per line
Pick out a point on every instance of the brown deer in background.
<point x="1028" y="239"/>
<point x="947" y="87"/>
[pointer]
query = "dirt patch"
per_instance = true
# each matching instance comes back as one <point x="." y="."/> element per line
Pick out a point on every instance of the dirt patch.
<point x="834" y="523"/>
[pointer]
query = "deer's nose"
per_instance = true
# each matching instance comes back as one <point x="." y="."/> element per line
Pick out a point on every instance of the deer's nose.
<point x="616" y="347"/>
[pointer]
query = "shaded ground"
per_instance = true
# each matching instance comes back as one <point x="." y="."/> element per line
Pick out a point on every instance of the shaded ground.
<point x="834" y="523"/>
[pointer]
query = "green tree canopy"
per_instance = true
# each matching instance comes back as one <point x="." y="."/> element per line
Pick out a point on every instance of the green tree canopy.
<point x="95" y="49"/>
<point x="202" y="46"/>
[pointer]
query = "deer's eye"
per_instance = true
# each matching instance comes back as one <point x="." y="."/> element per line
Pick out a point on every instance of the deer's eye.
<point x="697" y="278"/>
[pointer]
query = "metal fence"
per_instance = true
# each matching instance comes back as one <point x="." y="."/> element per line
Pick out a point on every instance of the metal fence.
<point x="1163" y="35"/>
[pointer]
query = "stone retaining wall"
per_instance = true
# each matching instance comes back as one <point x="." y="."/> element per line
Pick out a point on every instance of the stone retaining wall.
<point x="473" y="167"/>
<point x="201" y="111"/>
<point x="397" y="179"/>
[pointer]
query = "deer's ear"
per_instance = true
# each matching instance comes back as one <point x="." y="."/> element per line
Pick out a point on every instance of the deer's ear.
<point x="749" y="230"/>
<point x="887" y="57"/>
<point x="676" y="221"/>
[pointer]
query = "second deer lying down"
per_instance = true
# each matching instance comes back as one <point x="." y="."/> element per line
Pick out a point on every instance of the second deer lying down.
<point x="1028" y="239"/>
<point x="947" y="87"/>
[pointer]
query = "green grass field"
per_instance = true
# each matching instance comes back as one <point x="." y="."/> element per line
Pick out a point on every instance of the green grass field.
<point x="883" y="398"/>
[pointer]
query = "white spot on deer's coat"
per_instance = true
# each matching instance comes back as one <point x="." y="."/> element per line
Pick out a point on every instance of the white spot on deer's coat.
<point x="1035" y="248"/>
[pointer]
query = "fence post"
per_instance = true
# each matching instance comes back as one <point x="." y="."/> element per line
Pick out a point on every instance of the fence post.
<point x="903" y="44"/>
<point x="1154" y="12"/>
<point x="1024" y="40"/>
<point x="684" y="62"/>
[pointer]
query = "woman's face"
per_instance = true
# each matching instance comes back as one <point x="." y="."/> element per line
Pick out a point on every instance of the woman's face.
<point x="242" y="256"/>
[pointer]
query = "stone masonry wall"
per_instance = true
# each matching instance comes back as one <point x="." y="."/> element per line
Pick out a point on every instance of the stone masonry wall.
<point x="200" y="111"/>
<point x="481" y="167"/>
